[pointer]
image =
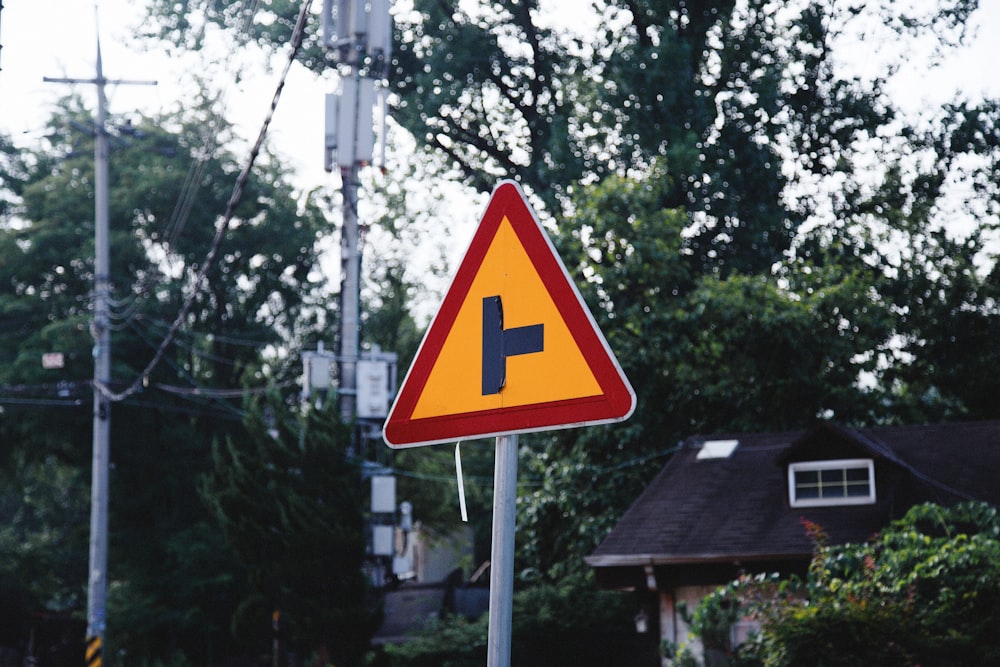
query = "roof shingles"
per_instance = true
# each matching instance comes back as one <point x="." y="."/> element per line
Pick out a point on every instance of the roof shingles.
<point x="736" y="508"/>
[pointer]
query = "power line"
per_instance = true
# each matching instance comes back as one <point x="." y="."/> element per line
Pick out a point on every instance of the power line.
<point x="537" y="482"/>
<point x="208" y="142"/>
<point x="200" y="354"/>
<point x="223" y="338"/>
<point x="223" y="227"/>
<point x="67" y="394"/>
<point x="42" y="402"/>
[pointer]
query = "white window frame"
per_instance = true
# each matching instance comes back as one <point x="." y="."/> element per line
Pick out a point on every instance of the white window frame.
<point x="832" y="464"/>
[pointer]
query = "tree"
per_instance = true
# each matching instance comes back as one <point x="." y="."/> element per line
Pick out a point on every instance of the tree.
<point x="738" y="205"/>
<point x="946" y="288"/>
<point x="774" y="146"/>
<point x="263" y="297"/>
<point x="44" y="525"/>
<point x="733" y="95"/>
<point x="925" y="591"/>
<point x="288" y="501"/>
<point x="706" y="353"/>
<point x="556" y="625"/>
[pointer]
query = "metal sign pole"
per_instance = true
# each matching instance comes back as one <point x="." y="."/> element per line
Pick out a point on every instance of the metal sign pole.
<point x="502" y="552"/>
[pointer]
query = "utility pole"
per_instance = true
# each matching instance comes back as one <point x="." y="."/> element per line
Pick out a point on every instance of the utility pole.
<point x="97" y="586"/>
<point x="358" y="34"/>
<point x="350" y="296"/>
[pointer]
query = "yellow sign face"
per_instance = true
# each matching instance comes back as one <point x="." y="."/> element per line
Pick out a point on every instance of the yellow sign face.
<point x="558" y="372"/>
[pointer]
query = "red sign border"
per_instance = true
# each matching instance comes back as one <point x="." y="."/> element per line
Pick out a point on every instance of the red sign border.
<point x="617" y="399"/>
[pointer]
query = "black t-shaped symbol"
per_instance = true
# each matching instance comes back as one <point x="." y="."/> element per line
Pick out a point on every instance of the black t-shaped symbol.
<point x="499" y="344"/>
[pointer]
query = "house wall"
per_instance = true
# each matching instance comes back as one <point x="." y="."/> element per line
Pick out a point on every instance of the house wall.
<point x="674" y="626"/>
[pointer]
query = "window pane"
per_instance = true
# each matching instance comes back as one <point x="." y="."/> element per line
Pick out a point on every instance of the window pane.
<point x="857" y="475"/>
<point x="807" y="492"/>
<point x="832" y="476"/>
<point x="857" y="490"/>
<point x="806" y="476"/>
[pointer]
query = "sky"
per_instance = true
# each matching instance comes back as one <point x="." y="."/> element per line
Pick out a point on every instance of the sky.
<point x="970" y="71"/>
<point x="57" y="38"/>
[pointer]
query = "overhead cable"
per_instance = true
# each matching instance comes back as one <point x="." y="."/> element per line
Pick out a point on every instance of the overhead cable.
<point x="223" y="226"/>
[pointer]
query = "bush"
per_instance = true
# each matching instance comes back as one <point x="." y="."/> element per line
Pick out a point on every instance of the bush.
<point x="925" y="591"/>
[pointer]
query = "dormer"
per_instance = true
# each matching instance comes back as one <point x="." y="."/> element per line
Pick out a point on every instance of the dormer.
<point x="831" y="466"/>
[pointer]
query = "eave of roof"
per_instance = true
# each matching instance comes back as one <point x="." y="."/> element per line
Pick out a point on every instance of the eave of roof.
<point x="641" y="560"/>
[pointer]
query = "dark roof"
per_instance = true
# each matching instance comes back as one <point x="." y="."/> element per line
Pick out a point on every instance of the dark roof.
<point x="736" y="508"/>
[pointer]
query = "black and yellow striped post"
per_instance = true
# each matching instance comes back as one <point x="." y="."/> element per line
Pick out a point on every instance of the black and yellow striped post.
<point x="94" y="653"/>
<point x="276" y="637"/>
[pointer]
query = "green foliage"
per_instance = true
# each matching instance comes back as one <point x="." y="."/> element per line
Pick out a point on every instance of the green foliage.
<point x="288" y="501"/>
<point x="925" y="591"/>
<point x="568" y="624"/>
<point x="949" y="316"/>
<point x="173" y="582"/>
<point x="706" y="352"/>
<point x="43" y="525"/>
<point x="452" y="641"/>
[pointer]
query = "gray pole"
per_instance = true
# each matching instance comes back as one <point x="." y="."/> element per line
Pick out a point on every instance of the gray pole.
<point x="502" y="553"/>
<point x="362" y="42"/>
<point x="97" y="582"/>
<point x="350" y="296"/>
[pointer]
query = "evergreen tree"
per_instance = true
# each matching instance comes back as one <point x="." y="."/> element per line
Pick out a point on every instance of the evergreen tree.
<point x="288" y="499"/>
<point x="172" y="581"/>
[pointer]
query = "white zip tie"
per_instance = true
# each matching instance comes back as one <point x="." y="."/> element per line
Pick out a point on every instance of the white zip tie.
<point x="461" y="482"/>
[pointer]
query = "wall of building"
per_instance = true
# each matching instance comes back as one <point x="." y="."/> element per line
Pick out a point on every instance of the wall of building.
<point x="676" y="608"/>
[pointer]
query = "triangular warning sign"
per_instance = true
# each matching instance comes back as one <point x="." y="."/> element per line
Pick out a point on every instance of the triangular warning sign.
<point x="513" y="348"/>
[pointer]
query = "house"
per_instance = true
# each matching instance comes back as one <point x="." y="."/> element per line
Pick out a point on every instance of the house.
<point x="736" y="503"/>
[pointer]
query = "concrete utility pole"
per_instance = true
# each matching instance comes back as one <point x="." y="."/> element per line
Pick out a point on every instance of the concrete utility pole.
<point x="358" y="34"/>
<point x="350" y="296"/>
<point x="101" y="331"/>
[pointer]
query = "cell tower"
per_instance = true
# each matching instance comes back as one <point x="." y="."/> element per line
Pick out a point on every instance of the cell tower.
<point x="358" y="35"/>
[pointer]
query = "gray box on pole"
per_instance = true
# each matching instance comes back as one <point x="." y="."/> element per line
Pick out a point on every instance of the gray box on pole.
<point x="354" y="117"/>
